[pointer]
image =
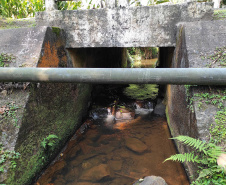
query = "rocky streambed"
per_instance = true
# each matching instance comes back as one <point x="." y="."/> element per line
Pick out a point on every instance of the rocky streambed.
<point x="117" y="145"/>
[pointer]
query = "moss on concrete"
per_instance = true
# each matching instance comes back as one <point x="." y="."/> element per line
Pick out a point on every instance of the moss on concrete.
<point x="50" y="109"/>
<point x="47" y="113"/>
<point x="56" y="30"/>
<point x="212" y="101"/>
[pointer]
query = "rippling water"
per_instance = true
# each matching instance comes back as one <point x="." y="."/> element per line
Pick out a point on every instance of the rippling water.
<point x="117" y="148"/>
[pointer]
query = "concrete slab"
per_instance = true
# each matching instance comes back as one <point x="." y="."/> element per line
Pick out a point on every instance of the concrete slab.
<point x="144" y="26"/>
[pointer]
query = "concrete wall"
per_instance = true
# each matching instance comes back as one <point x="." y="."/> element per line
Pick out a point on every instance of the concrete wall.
<point x="143" y="26"/>
<point x="195" y="42"/>
<point x="44" y="108"/>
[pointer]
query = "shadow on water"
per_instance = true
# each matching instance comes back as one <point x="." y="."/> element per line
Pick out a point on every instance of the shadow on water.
<point x="122" y="141"/>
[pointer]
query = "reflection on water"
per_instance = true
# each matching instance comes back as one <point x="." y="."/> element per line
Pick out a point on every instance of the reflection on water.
<point x="148" y="63"/>
<point x="119" y="147"/>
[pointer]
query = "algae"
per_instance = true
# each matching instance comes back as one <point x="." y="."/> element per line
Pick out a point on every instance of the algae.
<point x="56" y="30"/>
<point x="47" y="113"/>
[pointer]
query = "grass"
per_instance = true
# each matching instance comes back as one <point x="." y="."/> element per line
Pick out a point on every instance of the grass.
<point x="10" y="23"/>
<point x="219" y="14"/>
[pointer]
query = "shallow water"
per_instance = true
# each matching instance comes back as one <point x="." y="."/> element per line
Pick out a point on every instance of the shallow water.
<point x="117" y="148"/>
<point x="148" y="63"/>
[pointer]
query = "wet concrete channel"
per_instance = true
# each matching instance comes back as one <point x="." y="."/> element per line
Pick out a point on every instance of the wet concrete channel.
<point x="121" y="141"/>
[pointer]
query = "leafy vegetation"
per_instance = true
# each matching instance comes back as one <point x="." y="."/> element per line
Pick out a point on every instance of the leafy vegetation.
<point x="7" y="156"/>
<point x="27" y="8"/>
<point x="63" y="5"/>
<point x="146" y="53"/>
<point x="220" y="14"/>
<point x="5" y="59"/>
<point x="8" y="112"/>
<point x="209" y="173"/>
<point x="218" y="57"/>
<point x="189" y="97"/>
<point x="206" y="158"/>
<point x="21" y="8"/>
<point x="49" y="141"/>
<point x="217" y="129"/>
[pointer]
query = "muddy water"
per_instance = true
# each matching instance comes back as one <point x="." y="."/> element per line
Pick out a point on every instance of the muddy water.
<point x="119" y="145"/>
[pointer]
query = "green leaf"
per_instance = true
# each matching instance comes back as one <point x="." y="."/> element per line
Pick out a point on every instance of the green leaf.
<point x="51" y="136"/>
<point x="204" y="173"/>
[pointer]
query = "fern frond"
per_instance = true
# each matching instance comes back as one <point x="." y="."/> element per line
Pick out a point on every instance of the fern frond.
<point x="214" y="151"/>
<point x="189" y="157"/>
<point x="195" y="143"/>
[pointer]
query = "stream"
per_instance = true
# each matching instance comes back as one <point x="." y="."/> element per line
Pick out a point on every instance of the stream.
<point x="121" y="141"/>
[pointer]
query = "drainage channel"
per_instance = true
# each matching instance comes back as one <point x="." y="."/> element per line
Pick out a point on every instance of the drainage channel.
<point x="122" y="141"/>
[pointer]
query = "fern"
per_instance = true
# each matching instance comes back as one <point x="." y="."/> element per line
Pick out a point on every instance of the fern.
<point x="210" y="172"/>
<point x="195" y="143"/>
<point x="189" y="157"/>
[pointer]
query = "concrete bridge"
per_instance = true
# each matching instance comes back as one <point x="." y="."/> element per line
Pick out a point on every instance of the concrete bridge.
<point x="144" y="26"/>
<point x="185" y="33"/>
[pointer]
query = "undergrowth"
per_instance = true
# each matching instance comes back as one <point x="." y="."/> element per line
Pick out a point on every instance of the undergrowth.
<point x="217" y="129"/>
<point x="206" y="157"/>
<point x="5" y="59"/>
<point x="7" y="156"/>
<point x="220" y="14"/>
<point x="9" y="112"/>
<point x="217" y="58"/>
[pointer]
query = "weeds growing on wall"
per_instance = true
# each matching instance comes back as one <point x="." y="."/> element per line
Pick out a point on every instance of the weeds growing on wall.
<point x="5" y="59"/>
<point x="7" y="156"/>
<point x="217" y="58"/>
<point x="209" y="172"/>
<point x="217" y="129"/>
<point x="9" y="112"/>
<point x="48" y="142"/>
<point x="206" y="157"/>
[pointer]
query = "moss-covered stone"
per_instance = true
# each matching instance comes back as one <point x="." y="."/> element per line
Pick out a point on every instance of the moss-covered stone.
<point x="51" y="109"/>
<point x="56" y="30"/>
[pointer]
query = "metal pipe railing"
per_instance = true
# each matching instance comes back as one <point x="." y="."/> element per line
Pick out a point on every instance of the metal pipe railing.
<point x="190" y="76"/>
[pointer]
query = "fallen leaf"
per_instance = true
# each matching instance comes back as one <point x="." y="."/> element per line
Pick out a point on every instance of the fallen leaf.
<point x="2" y="110"/>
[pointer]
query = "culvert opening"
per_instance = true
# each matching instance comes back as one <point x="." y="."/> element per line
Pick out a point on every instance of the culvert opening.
<point x="125" y="136"/>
